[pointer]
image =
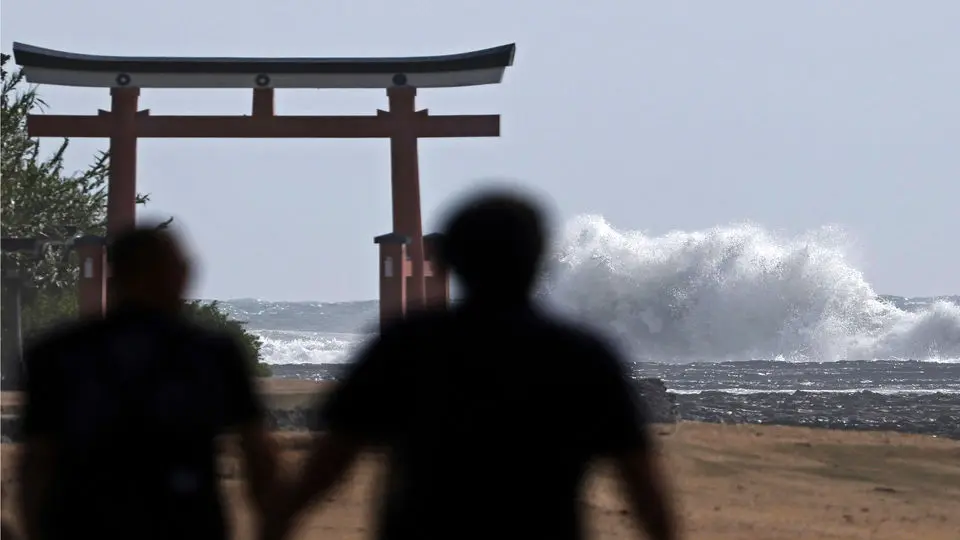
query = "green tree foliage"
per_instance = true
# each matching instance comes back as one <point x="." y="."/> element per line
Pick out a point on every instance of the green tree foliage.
<point x="207" y="313"/>
<point x="40" y="199"/>
<point x="37" y="199"/>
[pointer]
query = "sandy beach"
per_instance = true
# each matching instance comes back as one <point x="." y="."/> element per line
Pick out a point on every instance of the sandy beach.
<point x="733" y="482"/>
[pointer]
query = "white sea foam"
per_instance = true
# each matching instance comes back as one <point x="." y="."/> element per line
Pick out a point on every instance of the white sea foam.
<point x="729" y="293"/>
<point x="301" y="347"/>
<point x="736" y="293"/>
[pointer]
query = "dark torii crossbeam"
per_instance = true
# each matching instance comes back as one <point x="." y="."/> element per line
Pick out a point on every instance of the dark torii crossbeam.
<point x="414" y="282"/>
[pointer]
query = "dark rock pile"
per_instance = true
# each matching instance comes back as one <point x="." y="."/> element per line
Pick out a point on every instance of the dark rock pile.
<point x="661" y="406"/>
<point x="929" y="414"/>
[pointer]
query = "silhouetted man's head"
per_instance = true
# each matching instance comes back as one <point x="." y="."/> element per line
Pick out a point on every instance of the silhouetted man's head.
<point x="149" y="268"/>
<point x="494" y="242"/>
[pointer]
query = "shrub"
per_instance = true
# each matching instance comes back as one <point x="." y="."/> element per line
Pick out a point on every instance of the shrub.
<point x="209" y="314"/>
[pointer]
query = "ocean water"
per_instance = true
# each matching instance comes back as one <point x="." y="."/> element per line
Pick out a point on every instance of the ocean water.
<point x="735" y="309"/>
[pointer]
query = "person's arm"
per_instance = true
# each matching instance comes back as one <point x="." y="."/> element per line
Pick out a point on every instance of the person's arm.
<point x="260" y="457"/>
<point x="42" y="427"/>
<point x="364" y="410"/>
<point x="624" y="436"/>
<point x="328" y="460"/>
<point x="247" y="416"/>
<point x="646" y="487"/>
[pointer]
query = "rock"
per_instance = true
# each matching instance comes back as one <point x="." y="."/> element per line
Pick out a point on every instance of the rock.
<point x="661" y="408"/>
<point x="929" y="414"/>
<point x="661" y="405"/>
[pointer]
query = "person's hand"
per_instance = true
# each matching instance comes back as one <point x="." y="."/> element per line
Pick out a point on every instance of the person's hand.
<point x="276" y="526"/>
<point x="278" y="516"/>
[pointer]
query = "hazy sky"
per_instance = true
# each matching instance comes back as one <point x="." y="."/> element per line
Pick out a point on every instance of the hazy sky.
<point x="657" y="115"/>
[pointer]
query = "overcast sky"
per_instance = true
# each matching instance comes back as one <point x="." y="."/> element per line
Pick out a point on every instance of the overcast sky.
<point x="657" y="115"/>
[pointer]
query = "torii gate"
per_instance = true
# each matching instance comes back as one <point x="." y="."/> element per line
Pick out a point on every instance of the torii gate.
<point x="408" y="280"/>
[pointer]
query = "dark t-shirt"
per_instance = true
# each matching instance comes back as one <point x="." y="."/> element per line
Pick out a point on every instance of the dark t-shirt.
<point x="490" y="419"/>
<point x="133" y="404"/>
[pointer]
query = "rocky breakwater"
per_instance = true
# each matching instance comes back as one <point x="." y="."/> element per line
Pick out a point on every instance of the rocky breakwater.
<point x="929" y="414"/>
<point x="296" y="411"/>
<point x="660" y="405"/>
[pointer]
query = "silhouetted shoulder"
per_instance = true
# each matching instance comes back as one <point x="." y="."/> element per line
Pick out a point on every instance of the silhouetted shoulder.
<point x="67" y="332"/>
<point x="614" y="416"/>
<point x="234" y="367"/>
<point x="216" y="340"/>
<point x="576" y="339"/>
<point x="414" y="331"/>
<point x="373" y="400"/>
<point x="578" y="335"/>
<point x="46" y="361"/>
<point x="419" y="321"/>
<point x="42" y="354"/>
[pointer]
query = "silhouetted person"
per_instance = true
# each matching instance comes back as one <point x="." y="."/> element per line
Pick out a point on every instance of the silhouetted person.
<point x="122" y="413"/>
<point x="6" y="531"/>
<point x="491" y="411"/>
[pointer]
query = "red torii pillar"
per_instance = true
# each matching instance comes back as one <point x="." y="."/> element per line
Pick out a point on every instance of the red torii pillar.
<point x="437" y="286"/>
<point x="122" y="188"/>
<point x="405" y="185"/>
<point x="396" y="275"/>
<point x="419" y="279"/>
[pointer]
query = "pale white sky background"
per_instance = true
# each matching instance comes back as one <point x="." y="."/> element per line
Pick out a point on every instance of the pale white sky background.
<point x="657" y="115"/>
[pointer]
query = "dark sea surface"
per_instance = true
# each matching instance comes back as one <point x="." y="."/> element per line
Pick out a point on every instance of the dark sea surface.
<point x="314" y="340"/>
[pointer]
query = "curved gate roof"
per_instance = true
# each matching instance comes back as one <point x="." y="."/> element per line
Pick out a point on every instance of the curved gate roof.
<point x="47" y="66"/>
